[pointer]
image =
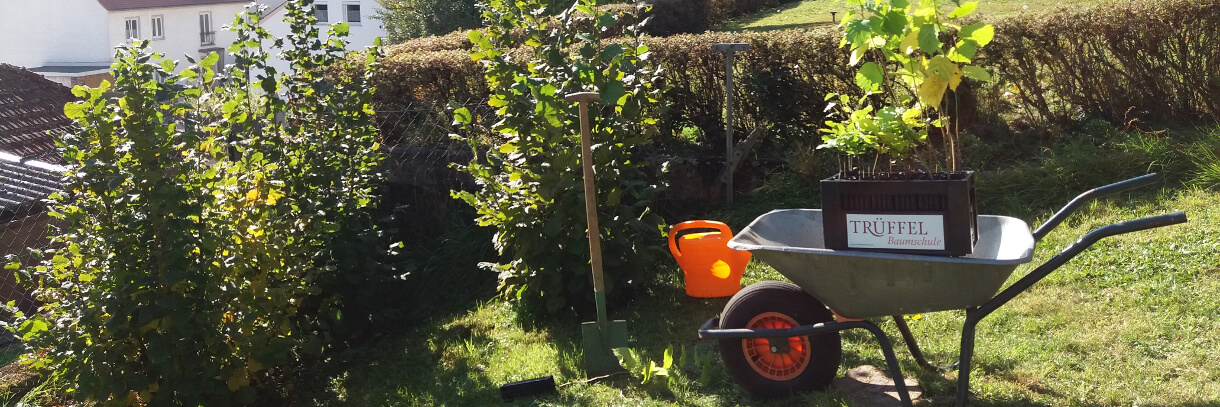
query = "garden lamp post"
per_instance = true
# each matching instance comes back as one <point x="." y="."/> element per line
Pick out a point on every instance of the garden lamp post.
<point x="729" y="49"/>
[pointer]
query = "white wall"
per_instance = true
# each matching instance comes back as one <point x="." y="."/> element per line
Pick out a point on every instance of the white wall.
<point x="53" y="32"/>
<point x="181" y="25"/>
<point x="361" y="36"/>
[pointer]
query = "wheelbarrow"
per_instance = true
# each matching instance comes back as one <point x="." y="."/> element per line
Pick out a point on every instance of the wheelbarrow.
<point x="777" y="338"/>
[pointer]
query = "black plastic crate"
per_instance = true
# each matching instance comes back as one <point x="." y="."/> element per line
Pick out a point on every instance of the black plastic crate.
<point x="912" y="216"/>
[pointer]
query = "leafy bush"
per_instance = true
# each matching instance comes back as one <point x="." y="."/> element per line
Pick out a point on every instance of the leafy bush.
<point x="531" y="184"/>
<point x="406" y="19"/>
<point x="1119" y="61"/>
<point x="212" y="229"/>
<point x="918" y="71"/>
<point x="1037" y="63"/>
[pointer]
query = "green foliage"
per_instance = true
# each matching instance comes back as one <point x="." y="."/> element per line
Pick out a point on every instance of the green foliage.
<point x="213" y="226"/>
<point x="1036" y="59"/>
<point x="637" y="363"/>
<point x="1069" y="64"/>
<point x="406" y="19"/>
<point x="531" y="178"/>
<point x="917" y="72"/>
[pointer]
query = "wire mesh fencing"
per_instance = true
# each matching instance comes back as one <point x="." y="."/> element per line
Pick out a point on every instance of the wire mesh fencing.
<point x="419" y="167"/>
<point x="25" y="184"/>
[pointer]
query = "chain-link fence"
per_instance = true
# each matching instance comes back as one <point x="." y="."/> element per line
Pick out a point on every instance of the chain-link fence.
<point x="25" y="184"/>
<point x="419" y="167"/>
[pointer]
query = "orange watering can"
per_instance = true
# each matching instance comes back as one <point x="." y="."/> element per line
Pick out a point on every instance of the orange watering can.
<point x="712" y="269"/>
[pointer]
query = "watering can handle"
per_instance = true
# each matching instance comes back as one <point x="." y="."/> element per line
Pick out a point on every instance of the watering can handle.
<point x="695" y="224"/>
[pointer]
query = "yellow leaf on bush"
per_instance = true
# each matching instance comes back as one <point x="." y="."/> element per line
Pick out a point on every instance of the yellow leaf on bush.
<point x="253" y="365"/>
<point x="932" y="91"/>
<point x="154" y="324"/>
<point x="252" y="195"/>
<point x="273" y="196"/>
<point x="910" y="43"/>
<point x="937" y="72"/>
<point x="240" y="379"/>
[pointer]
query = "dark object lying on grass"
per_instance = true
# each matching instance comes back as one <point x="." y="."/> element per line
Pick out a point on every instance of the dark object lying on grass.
<point x="525" y="388"/>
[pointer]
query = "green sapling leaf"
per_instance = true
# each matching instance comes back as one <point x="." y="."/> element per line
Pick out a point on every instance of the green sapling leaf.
<point x="964" y="10"/>
<point x="870" y="77"/>
<point x="974" y="72"/>
<point x="928" y="41"/>
<point x="462" y="117"/>
<point x="981" y="34"/>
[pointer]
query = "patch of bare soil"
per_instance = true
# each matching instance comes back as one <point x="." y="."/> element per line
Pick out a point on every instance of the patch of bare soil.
<point x="870" y="386"/>
<point x="15" y="375"/>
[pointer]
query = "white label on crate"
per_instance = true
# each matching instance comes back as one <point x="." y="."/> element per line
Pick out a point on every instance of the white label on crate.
<point x="914" y="232"/>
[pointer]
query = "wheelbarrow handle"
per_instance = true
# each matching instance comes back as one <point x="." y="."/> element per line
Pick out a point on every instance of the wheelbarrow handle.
<point x="973" y="316"/>
<point x="1074" y="249"/>
<point x="1091" y="194"/>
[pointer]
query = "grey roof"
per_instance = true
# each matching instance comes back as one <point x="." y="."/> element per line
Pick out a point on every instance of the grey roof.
<point x="23" y="186"/>
<point x="70" y="68"/>
<point x="117" y="5"/>
<point x="272" y="6"/>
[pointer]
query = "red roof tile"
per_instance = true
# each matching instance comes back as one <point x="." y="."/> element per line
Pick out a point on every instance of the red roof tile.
<point x="30" y="107"/>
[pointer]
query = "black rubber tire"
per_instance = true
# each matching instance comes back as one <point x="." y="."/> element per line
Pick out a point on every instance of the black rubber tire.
<point x="826" y="350"/>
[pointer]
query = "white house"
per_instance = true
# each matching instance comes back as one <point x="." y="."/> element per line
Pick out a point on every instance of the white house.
<point x="64" y="40"/>
<point x="174" y="27"/>
<point x="72" y="41"/>
<point x="358" y="14"/>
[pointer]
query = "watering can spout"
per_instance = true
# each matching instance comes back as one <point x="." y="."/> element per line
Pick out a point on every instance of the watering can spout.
<point x="711" y="268"/>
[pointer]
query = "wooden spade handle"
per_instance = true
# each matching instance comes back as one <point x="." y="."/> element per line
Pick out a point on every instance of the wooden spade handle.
<point x="583" y="97"/>
<point x="586" y="160"/>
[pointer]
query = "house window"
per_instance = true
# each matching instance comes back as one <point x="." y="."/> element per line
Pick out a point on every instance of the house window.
<point x="353" y="13"/>
<point x="133" y="28"/>
<point x="206" y="35"/>
<point x="158" y="27"/>
<point x="322" y="12"/>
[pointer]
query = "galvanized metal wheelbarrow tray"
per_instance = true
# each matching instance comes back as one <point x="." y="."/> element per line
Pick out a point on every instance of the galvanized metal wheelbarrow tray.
<point x="859" y="284"/>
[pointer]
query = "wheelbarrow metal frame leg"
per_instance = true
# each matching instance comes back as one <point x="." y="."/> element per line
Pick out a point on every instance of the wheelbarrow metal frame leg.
<point x="883" y="341"/>
<point x="974" y="315"/>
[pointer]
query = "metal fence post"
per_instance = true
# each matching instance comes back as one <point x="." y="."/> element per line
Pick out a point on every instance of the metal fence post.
<point x="729" y="49"/>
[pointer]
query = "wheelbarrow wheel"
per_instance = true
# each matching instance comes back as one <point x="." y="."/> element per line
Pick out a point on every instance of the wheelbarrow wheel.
<point x="810" y="362"/>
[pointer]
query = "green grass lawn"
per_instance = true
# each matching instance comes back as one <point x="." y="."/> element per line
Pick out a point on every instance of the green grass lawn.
<point x="1133" y="321"/>
<point x="814" y="13"/>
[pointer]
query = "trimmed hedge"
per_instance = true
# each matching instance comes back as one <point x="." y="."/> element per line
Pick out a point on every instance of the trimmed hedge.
<point x="408" y="77"/>
<point x="1161" y="58"/>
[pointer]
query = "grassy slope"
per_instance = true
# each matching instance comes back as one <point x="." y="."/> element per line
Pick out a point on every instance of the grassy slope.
<point x="1136" y="320"/>
<point x="812" y="13"/>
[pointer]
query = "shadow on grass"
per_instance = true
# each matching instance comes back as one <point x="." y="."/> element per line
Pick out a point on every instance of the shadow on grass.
<point x="775" y="27"/>
<point x="409" y="368"/>
<point x="740" y="23"/>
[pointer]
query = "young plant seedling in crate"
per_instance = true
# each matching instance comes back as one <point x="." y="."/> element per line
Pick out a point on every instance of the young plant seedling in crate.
<point x="892" y="193"/>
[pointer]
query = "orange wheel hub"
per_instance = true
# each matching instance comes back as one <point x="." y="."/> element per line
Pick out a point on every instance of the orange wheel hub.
<point x="762" y="357"/>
